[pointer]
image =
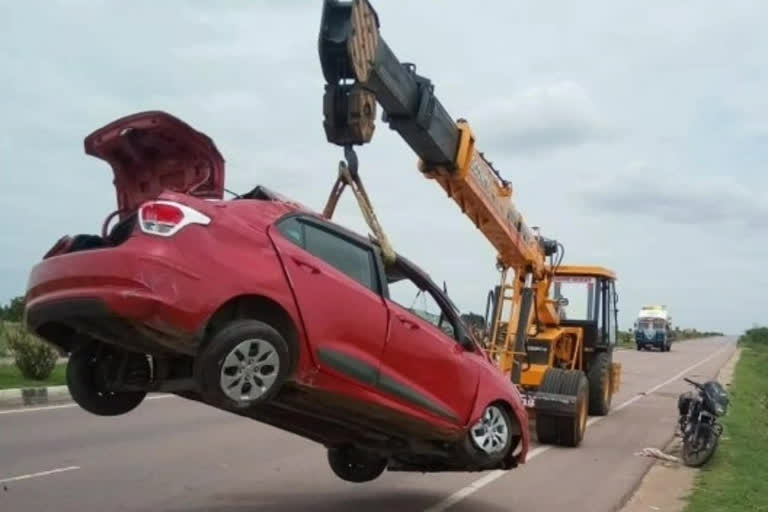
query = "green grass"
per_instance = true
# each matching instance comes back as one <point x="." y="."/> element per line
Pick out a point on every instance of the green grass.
<point x="737" y="477"/>
<point x="10" y="377"/>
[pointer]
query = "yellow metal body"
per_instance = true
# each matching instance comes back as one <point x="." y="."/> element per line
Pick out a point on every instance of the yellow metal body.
<point x="486" y="200"/>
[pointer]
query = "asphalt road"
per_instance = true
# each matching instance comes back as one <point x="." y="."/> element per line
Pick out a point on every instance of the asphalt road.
<point x="173" y="455"/>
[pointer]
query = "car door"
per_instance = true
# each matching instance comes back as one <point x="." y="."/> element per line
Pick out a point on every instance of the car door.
<point x="337" y="286"/>
<point x="423" y="363"/>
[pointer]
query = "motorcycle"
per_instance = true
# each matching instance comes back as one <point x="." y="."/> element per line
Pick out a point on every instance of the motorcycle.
<point x="699" y="428"/>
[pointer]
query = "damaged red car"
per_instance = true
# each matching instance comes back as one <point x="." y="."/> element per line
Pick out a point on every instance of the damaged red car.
<point x="259" y="306"/>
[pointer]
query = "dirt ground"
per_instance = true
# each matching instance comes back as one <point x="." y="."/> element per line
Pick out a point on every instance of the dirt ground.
<point x="666" y="486"/>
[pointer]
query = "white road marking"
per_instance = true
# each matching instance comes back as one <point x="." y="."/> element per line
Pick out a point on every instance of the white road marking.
<point x="38" y="475"/>
<point x="64" y="406"/>
<point x="478" y="484"/>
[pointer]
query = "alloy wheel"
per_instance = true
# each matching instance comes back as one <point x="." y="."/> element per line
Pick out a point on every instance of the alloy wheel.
<point x="249" y="370"/>
<point x="491" y="433"/>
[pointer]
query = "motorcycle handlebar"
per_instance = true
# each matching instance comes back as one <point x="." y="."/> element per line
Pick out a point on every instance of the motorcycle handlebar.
<point x="689" y="381"/>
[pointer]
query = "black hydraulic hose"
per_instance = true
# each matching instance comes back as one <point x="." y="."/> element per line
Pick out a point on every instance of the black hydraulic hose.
<point x="490" y="307"/>
<point x="521" y="336"/>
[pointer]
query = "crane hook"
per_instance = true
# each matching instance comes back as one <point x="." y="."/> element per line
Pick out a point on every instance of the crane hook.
<point x="352" y="163"/>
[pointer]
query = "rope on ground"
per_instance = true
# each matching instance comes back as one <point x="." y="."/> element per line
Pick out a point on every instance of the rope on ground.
<point x="657" y="454"/>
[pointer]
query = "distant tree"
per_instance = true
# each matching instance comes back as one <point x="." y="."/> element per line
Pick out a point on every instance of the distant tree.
<point x="14" y="311"/>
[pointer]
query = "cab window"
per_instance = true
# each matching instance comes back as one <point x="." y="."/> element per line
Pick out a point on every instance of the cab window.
<point x="580" y="294"/>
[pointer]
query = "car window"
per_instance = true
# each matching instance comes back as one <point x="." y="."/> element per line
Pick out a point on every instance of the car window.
<point x="421" y="303"/>
<point x="292" y="229"/>
<point x="347" y="257"/>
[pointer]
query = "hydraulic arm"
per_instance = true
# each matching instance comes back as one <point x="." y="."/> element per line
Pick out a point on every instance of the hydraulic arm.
<point x="360" y="69"/>
<point x="544" y="355"/>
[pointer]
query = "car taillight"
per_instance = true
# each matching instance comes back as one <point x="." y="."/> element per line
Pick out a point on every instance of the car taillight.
<point x="165" y="218"/>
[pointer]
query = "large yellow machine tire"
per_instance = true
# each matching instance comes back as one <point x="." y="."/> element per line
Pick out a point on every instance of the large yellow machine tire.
<point x="600" y="384"/>
<point x="546" y="425"/>
<point x="560" y="430"/>
<point x="571" y="429"/>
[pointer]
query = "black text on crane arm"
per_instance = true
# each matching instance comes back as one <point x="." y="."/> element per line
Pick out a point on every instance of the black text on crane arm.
<point x="353" y="55"/>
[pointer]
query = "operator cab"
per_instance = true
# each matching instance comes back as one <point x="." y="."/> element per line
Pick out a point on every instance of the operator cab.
<point x="587" y="298"/>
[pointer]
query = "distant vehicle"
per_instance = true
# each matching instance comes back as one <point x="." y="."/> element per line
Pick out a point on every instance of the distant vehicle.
<point x="653" y="328"/>
<point x="264" y="308"/>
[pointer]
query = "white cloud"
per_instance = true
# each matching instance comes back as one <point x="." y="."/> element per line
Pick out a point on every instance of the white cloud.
<point x="542" y="118"/>
<point x="667" y="196"/>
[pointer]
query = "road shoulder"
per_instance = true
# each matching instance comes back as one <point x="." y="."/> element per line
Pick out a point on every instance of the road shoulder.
<point x="23" y="397"/>
<point x="667" y="485"/>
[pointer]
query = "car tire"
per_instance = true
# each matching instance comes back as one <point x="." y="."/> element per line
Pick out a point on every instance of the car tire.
<point x="489" y="441"/>
<point x="243" y="365"/>
<point x="87" y="389"/>
<point x="599" y="377"/>
<point x="354" y="465"/>
<point x="639" y="347"/>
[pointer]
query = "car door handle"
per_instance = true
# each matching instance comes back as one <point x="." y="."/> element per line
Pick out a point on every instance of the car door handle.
<point x="408" y="323"/>
<point x="306" y="266"/>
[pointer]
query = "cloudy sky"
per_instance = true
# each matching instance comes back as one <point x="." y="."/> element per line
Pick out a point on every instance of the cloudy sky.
<point x="634" y="132"/>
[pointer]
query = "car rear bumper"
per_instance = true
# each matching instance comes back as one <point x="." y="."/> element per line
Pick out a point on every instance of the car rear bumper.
<point x="120" y="295"/>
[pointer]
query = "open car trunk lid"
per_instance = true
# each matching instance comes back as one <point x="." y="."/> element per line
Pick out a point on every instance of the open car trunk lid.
<point x="150" y="152"/>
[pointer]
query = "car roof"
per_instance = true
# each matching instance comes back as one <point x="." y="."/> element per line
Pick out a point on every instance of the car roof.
<point x="261" y="192"/>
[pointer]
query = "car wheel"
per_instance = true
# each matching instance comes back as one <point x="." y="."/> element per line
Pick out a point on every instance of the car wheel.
<point x="87" y="372"/>
<point x="639" y="347"/>
<point x="600" y="384"/>
<point x="243" y="365"/>
<point x="489" y="440"/>
<point x="356" y="466"/>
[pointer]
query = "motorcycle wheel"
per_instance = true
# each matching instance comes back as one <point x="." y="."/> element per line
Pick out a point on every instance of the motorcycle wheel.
<point x="695" y="457"/>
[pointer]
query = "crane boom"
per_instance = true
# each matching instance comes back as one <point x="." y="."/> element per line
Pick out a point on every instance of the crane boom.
<point x="562" y="364"/>
<point x="360" y="69"/>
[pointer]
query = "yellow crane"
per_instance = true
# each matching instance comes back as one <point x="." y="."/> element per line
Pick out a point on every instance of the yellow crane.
<point x="553" y="327"/>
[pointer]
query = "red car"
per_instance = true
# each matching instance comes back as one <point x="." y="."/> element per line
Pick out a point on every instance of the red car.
<point x="258" y="306"/>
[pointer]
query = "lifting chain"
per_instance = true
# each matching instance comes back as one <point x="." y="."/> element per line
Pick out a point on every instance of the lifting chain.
<point x="349" y="176"/>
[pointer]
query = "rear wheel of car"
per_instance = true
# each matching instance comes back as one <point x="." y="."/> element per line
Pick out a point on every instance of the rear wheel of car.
<point x="243" y="365"/>
<point x="489" y="440"/>
<point x="88" y="371"/>
<point x="353" y="465"/>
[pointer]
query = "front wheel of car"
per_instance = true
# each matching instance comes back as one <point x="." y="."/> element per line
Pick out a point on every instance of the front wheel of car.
<point x="243" y="365"/>
<point x="89" y="372"/>
<point x="490" y="438"/>
<point x="356" y="466"/>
